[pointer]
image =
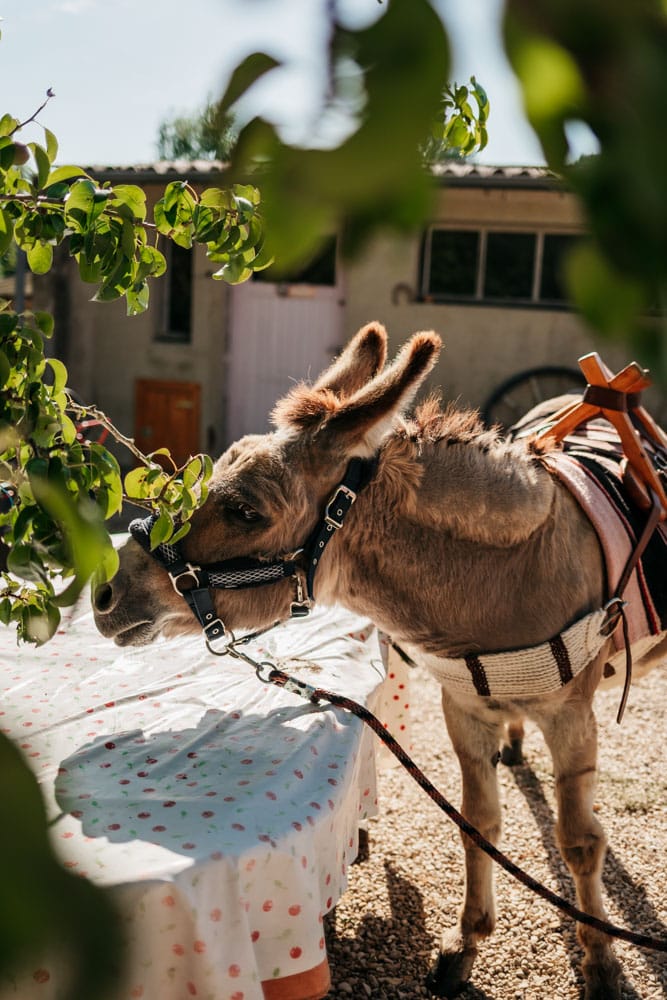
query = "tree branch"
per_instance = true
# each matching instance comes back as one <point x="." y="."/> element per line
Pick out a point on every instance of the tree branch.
<point x="49" y="95"/>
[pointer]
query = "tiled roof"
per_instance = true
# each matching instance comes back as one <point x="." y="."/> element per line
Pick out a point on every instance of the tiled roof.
<point x="453" y="172"/>
<point x="466" y="174"/>
<point x="159" y="171"/>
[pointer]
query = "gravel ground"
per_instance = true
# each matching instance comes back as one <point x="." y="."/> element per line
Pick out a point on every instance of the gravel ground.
<point x="383" y="935"/>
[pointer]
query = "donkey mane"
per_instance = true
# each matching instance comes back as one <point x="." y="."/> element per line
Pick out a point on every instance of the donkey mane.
<point x="431" y="424"/>
<point x="445" y="467"/>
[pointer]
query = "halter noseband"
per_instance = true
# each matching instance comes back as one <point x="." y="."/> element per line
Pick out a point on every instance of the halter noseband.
<point x="194" y="583"/>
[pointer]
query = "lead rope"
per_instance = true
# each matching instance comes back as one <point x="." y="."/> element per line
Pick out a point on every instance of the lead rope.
<point x="270" y="674"/>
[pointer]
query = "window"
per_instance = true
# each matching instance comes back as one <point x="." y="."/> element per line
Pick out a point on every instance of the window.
<point x="495" y="266"/>
<point x="176" y="320"/>
<point x="554" y="251"/>
<point x="509" y="266"/>
<point x="321" y="270"/>
<point x="454" y="256"/>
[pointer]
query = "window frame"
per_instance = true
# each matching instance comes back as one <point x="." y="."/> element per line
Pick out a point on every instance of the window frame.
<point x="165" y="332"/>
<point x="479" y="299"/>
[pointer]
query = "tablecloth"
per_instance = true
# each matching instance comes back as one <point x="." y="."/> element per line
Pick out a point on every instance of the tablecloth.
<point x="221" y="813"/>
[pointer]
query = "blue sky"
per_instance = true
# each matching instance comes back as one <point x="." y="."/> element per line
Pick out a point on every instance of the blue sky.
<point x="118" y="67"/>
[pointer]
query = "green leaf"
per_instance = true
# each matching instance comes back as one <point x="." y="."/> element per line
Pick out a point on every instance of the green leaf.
<point x="65" y="173"/>
<point x="607" y="299"/>
<point x="42" y="162"/>
<point x="79" y="204"/>
<point x="45" y="323"/>
<point x="161" y="529"/>
<point x="40" y="258"/>
<point x="137" y="299"/>
<point x="23" y="562"/>
<point x="5" y="370"/>
<point x="180" y="533"/>
<point x="8" y="124"/>
<point x="130" y="198"/>
<point x="68" y="429"/>
<point x="234" y="272"/>
<point x="245" y="75"/>
<point x="135" y="482"/>
<point x="51" y="144"/>
<point x="59" y="374"/>
<point x="38" y="626"/>
<point x="108" y="565"/>
<point x="8" y="323"/>
<point x="48" y="908"/>
<point x="7" y="154"/>
<point x="217" y="198"/>
<point x="6" y="231"/>
<point x="192" y="472"/>
<point x="90" y="272"/>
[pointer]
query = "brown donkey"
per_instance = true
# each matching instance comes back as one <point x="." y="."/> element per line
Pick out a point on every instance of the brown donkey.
<point x="459" y="542"/>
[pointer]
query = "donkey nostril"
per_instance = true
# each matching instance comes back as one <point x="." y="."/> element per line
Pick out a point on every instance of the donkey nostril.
<point x="103" y="597"/>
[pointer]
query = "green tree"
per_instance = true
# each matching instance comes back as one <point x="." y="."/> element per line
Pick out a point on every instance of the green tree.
<point x="461" y="129"/>
<point x="206" y="134"/>
<point x="605" y="64"/>
<point x="57" y="491"/>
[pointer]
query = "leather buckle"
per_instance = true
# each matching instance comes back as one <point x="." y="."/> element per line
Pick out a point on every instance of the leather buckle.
<point x="345" y="496"/>
<point x="214" y="629"/>
<point x="189" y="571"/>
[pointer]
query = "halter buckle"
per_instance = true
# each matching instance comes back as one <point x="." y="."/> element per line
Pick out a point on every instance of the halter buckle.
<point x="343" y="496"/>
<point x="300" y="606"/>
<point x="189" y="571"/>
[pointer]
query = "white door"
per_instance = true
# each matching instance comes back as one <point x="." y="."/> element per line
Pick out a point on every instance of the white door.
<point x="279" y="334"/>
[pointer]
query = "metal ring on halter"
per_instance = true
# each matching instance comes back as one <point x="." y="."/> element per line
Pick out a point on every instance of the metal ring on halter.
<point x="189" y="572"/>
<point x="264" y="671"/>
<point x="231" y="640"/>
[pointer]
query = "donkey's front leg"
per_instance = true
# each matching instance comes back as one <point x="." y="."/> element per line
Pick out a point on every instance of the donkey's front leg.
<point x="476" y="745"/>
<point x="572" y="739"/>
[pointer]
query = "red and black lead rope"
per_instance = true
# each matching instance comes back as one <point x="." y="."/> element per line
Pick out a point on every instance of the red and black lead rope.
<point x="317" y="695"/>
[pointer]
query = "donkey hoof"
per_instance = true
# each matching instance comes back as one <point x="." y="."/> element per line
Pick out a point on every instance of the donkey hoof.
<point x="450" y="973"/>
<point x="512" y="753"/>
<point x="602" y="981"/>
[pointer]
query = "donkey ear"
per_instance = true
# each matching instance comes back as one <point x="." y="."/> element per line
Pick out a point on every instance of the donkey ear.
<point x="359" y="423"/>
<point x="362" y="358"/>
<point x="308" y="406"/>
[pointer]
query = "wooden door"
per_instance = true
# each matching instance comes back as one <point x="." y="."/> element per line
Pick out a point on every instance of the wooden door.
<point x="167" y="415"/>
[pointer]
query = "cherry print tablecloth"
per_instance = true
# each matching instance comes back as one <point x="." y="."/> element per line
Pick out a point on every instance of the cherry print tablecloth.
<point x="221" y="813"/>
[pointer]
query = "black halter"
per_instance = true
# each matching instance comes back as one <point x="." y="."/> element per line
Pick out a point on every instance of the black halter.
<point x="194" y="583"/>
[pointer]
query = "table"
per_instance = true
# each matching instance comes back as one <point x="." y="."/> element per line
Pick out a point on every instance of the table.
<point x="221" y="813"/>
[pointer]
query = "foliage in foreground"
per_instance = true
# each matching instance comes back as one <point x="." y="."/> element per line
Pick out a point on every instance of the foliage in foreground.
<point x="603" y="64"/>
<point x="56" y="488"/>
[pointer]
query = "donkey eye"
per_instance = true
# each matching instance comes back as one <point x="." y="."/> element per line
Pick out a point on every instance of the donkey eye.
<point x="247" y="513"/>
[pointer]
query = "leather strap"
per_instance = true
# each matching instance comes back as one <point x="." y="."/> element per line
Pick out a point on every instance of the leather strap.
<point x="616" y="604"/>
<point x="358" y="475"/>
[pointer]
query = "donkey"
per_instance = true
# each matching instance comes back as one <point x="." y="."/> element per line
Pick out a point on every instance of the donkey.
<point x="460" y="541"/>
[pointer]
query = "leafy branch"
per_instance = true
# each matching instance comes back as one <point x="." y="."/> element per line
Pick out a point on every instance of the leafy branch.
<point x="33" y="116"/>
<point x="57" y="488"/>
<point x="461" y="129"/>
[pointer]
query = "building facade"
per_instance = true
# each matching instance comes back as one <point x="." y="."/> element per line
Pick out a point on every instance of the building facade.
<point x="206" y="362"/>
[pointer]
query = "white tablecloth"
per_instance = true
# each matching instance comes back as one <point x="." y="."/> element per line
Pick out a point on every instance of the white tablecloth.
<point x="222" y="813"/>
